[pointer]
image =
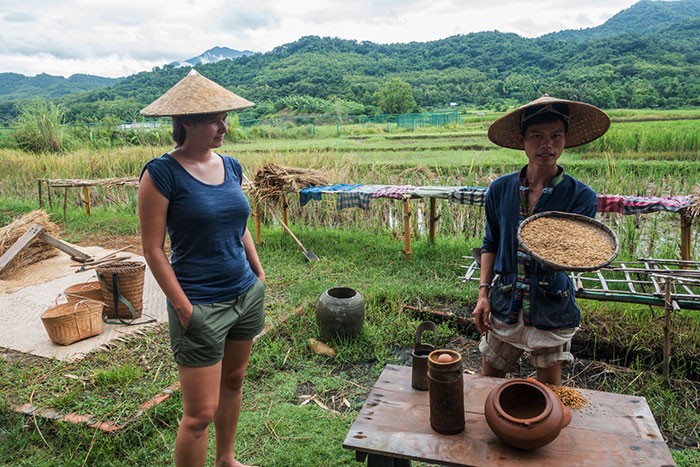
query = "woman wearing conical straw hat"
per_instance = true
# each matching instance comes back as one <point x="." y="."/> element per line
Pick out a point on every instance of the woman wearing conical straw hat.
<point x="214" y="282"/>
<point x="528" y="308"/>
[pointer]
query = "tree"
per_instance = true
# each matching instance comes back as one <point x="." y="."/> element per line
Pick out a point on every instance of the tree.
<point x="396" y="97"/>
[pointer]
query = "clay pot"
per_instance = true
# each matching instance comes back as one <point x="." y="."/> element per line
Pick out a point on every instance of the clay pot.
<point x="340" y="312"/>
<point x="525" y="413"/>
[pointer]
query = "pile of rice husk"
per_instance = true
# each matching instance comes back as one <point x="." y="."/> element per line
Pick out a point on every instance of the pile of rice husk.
<point x="566" y="242"/>
<point x="272" y="181"/>
<point x="570" y="397"/>
<point x="36" y="250"/>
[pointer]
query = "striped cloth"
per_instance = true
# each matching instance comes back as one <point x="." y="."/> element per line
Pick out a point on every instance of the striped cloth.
<point x="315" y="192"/>
<point x="471" y="195"/>
<point x="358" y="197"/>
<point x="642" y="204"/>
<point x="394" y="191"/>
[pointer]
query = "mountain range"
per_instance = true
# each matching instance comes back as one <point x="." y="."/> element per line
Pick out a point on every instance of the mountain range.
<point x="213" y="55"/>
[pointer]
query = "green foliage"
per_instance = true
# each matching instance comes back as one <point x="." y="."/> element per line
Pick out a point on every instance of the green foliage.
<point x="39" y="127"/>
<point x="396" y="97"/>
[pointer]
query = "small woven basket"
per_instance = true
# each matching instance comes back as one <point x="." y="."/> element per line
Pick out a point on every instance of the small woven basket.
<point x="127" y="278"/>
<point x="70" y="322"/>
<point x="84" y="291"/>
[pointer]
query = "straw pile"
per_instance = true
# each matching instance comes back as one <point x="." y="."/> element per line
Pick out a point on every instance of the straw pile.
<point x="272" y="181"/>
<point x="35" y="251"/>
<point x="692" y="211"/>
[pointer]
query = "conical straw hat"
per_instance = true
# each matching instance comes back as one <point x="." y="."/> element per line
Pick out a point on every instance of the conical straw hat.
<point x="195" y="94"/>
<point x="586" y="123"/>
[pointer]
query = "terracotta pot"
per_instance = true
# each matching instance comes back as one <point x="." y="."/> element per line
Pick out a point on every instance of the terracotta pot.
<point x="340" y="312"/>
<point x="525" y="413"/>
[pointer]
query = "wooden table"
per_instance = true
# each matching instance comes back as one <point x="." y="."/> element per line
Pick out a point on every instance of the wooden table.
<point x="393" y="428"/>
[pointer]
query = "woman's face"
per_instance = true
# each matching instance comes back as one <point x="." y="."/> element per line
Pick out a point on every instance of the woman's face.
<point x="209" y="131"/>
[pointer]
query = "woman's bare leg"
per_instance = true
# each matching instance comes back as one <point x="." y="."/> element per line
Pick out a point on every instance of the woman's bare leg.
<point x="233" y="367"/>
<point x="200" y="397"/>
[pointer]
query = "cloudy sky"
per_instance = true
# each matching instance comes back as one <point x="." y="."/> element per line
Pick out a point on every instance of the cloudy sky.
<point x="119" y="38"/>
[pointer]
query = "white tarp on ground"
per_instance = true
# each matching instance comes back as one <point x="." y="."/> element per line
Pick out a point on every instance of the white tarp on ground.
<point x="25" y="296"/>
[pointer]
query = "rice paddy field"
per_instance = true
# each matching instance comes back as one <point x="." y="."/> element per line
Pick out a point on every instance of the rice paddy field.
<point x="645" y="153"/>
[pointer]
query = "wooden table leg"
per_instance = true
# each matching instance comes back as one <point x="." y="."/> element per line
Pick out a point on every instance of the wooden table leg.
<point x="86" y="196"/>
<point x="432" y="220"/>
<point x="686" y="236"/>
<point x="256" y="214"/>
<point x="285" y="213"/>
<point x="375" y="460"/>
<point x="407" y="227"/>
<point x="65" y="201"/>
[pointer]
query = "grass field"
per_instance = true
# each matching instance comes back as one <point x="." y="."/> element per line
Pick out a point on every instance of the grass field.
<point x="361" y="249"/>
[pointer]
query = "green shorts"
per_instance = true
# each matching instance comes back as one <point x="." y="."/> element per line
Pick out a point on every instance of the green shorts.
<point x="202" y="343"/>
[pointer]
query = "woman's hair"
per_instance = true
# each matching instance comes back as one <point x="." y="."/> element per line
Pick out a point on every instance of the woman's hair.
<point x="179" y="132"/>
<point x="545" y="113"/>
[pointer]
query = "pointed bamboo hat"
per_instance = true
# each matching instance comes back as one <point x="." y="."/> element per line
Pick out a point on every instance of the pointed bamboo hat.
<point x="195" y="94"/>
<point x="585" y="122"/>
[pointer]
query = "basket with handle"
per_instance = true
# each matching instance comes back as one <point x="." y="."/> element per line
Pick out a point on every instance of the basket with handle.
<point x="122" y="289"/>
<point x="90" y="290"/>
<point x="70" y="322"/>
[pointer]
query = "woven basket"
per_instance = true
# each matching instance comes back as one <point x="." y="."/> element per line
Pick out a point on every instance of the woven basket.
<point x="129" y="283"/>
<point x="601" y="228"/>
<point x="70" y="322"/>
<point x="84" y="291"/>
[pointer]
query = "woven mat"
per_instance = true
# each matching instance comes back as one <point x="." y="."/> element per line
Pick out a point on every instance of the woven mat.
<point x="25" y="296"/>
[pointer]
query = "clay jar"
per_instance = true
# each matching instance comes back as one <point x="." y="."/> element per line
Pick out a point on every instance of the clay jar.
<point x="525" y="413"/>
<point x="340" y="312"/>
<point x="446" y="391"/>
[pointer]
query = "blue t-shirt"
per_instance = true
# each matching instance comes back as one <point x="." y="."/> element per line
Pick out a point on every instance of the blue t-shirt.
<point x="206" y="224"/>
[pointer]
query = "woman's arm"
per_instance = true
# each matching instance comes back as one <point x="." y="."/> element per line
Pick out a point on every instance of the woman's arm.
<point x="153" y="208"/>
<point x="252" y="255"/>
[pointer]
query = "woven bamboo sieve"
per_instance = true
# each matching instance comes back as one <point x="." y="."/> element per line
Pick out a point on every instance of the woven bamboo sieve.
<point x="84" y="291"/>
<point x="70" y="322"/>
<point x="128" y="277"/>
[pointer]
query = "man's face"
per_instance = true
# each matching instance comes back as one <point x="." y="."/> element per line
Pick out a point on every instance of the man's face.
<point x="544" y="143"/>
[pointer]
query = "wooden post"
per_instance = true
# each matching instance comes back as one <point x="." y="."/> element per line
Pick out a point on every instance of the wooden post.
<point x="667" y="325"/>
<point x="686" y="235"/>
<point x="48" y="194"/>
<point x="407" y="227"/>
<point x="65" y="201"/>
<point x="86" y="196"/>
<point x="41" y="203"/>
<point x="256" y="214"/>
<point x="432" y="220"/>
<point x="284" y="211"/>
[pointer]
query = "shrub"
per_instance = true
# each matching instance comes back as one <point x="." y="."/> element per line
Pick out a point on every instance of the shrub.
<point x="39" y="127"/>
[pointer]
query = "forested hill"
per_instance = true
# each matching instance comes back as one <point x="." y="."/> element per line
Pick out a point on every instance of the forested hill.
<point x="632" y="70"/>
<point x="16" y="86"/>
<point x="644" y="17"/>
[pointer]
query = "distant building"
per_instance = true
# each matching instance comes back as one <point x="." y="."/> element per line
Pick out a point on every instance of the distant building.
<point x="480" y="114"/>
<point x="453" y="104"/>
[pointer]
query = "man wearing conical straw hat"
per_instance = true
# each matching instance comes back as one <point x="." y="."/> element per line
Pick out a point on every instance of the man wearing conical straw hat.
<point x="528" y="308"/>
<point x="214" y="282"/>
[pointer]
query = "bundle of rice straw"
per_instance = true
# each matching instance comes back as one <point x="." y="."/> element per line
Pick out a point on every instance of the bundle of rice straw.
<point x="35" y="251"/>
<point x="272" y="181"/>
<point x="692" y="211"/>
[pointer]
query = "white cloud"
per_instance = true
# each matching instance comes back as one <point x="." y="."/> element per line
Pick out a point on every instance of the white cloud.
<point x="110" y="38"/>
